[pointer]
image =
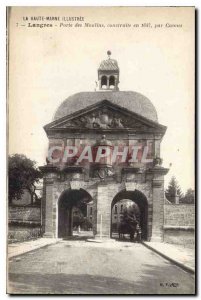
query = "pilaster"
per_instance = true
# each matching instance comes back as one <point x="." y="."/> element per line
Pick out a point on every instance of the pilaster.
<point x="158" y="173"/>
<point x="50" y="175"/>
<point x="103" y="211"/>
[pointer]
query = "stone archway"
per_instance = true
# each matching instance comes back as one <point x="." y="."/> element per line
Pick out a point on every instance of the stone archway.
<point x="141" y="201"/>
<point x="67" y="201"/>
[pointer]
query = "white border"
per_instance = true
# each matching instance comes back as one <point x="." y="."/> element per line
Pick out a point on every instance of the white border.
<point x="3" y="4"/>
<point x="100" y="3"/>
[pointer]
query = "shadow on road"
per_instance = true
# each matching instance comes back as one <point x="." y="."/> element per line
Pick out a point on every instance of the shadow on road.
<point x="68" y="284"/>
<point x="38" y="283"/>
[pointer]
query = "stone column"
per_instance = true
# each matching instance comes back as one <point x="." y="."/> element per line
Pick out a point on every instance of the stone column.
<point x="99" y="84"/>
<point x="158" y="211"/>
<point x="149" y="219"/>
<point x="158" y="203"/>
<point x="43" y="205"/>
<point x="49" y="230"/>
<point x="50" y="175"/>
<point x="157" y="148"/>
<point x="103" y="212"/>
<point x="108" y="83"/>
<point x="115" y="82"/>
<point x="94" y="218"/>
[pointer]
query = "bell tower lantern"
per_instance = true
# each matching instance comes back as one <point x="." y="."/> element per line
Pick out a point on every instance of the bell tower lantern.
<point x="108" y="74"/>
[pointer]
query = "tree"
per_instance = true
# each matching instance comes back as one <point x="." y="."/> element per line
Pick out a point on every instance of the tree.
<point x="130" y="214"/>
<point x="22" y="174"/>
<point x="189" y="197"/>
<point x="173" y="190"/>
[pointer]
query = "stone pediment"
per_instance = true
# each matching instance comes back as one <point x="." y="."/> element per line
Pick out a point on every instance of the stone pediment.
<point x="104" y="116"/>
<point x="103" y="119"/>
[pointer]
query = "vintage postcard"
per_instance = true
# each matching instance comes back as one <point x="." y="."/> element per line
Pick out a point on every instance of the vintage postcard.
<point x="101" y="196"/>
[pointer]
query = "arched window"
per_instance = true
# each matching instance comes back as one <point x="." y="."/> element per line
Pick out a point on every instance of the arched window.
<point x="122" y="208"/>
<point x="112" y="82"/>
<point x="104" y="82"/>
<point x="115" y="209"/>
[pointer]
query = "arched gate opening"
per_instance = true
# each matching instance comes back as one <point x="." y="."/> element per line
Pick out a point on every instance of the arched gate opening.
<point x="72" y="205"/>
<point x="140" y="207"/>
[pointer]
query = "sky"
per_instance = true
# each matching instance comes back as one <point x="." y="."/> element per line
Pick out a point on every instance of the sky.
<point x="46" y="65"/>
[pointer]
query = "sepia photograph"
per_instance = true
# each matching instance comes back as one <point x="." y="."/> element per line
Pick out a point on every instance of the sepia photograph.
<point x="101" y="150"/>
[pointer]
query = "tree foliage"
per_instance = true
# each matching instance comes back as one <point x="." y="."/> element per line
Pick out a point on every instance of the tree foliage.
<point x="189" y="197"/>
<point x="173" y="190"/>
<point x="130" y="215"/>
<point x="22" y="174"/>
<point x="80" y="220"/>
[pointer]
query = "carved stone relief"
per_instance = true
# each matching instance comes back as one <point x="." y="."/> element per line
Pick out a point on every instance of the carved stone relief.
<point x="104" y="119"/>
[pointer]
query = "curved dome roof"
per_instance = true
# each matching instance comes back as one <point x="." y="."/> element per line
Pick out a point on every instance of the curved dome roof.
<point x="133" y="101"/>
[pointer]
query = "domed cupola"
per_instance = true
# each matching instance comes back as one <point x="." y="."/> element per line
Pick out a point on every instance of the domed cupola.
<point x="108" y="74"/>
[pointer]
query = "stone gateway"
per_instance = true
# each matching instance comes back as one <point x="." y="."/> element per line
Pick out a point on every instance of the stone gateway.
<point x="111" y="123"/>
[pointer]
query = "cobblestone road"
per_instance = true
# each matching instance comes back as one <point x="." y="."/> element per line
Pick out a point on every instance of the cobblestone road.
<point x="79" y="267"/>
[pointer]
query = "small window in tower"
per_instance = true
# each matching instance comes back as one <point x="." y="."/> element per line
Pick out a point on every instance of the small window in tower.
<point x="90" y="210"/>
<point x="112" y="82"/>
<point x="103" y="82"/>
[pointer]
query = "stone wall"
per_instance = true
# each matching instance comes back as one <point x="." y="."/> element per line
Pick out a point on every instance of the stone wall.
<point x="179" y="215"/>
<point x="179" y="224"/>
<point x="19" y="233"/>
<point x="24" y="223"/>
<point x="26" y="214"/>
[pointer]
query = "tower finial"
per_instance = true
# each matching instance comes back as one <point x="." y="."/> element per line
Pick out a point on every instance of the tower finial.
<point x="109" y="53"/>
